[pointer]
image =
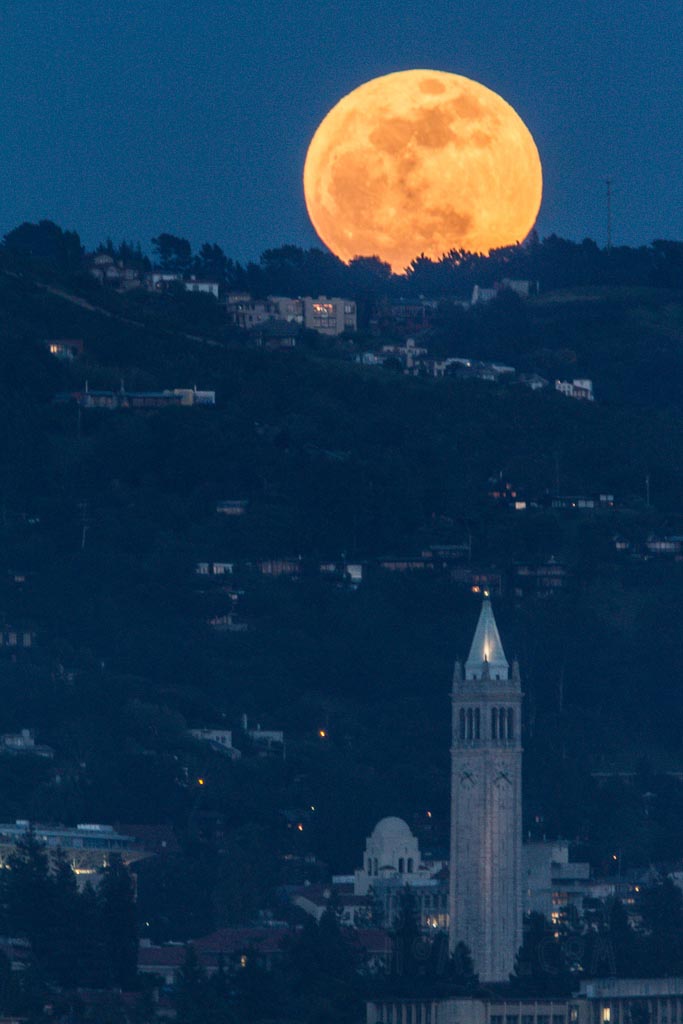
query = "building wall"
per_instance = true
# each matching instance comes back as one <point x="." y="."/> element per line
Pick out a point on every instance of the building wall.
<point x="329" y="316"/>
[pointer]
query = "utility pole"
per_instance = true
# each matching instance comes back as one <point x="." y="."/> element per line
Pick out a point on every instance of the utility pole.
<point x="608" y="182"/>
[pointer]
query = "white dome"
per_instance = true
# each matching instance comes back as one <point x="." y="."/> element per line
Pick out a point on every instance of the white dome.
<point x="392" y="831"/>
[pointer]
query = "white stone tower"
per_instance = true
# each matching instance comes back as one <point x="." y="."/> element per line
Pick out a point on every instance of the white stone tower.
<point x="486" y="805"/>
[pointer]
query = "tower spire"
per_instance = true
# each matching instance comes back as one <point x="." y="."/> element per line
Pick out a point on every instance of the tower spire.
<point x="487" y="656"/>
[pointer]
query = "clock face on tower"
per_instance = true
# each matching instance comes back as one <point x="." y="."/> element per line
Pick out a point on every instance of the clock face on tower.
<point x="502" y="777"/>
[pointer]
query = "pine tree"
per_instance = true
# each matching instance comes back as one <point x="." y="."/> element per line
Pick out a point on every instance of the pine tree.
<point x="63" y="925"/>
<point x="119" y="925"/>
<point x="29" y="893"/>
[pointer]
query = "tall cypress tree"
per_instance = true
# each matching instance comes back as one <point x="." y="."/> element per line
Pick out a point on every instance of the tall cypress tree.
<point x="119" y="925"/>
<point x="29" y="893"/>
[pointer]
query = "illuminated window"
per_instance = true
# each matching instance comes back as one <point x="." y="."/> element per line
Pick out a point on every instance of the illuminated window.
<point x="606" y="1015"/>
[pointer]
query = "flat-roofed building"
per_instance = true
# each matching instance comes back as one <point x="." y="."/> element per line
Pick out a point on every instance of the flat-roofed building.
<point x="329" y="316"/>
<point x="88" y="847"/>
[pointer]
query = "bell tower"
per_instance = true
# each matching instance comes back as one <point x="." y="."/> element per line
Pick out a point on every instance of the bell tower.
<point x="486" y="805"/>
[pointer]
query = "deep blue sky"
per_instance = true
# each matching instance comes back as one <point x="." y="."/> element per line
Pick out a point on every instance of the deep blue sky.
<point x="133" y="117"/>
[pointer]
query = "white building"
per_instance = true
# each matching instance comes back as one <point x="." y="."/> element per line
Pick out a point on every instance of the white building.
<point x="219" y="739"/>
<point x="553" y="882"/>
<point x="197" y="285"/>
<point x="392" y="860"/>
<point x="580" y="388"/>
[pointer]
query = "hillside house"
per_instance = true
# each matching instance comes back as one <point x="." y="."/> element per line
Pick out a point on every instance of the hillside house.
<point x="273" y="335"/>
<point x="580" y="388"/>
<point x="199" y="286"/>
<point x="349" y="573"/>
<point x="228" y="622"/>
<point x="143" y="400"/>
<point x="266" y="742"/>
<point x="279" y="566"/>
<point x="214" y="568"/>
<point x="24" y="742"/>
<point x="533" y="381"/>
<point x="670" y="546"/>
<point x="66" y="349"/>
<point x="14" y="637"/>
<point x="219" y="740"/>
<point x="329" y="316"/>
<point x="408" y="355"/>
<point x="479" y="580"/>
<point x="160" y="280"/>
<point x="112" y="272"/>
<point x="540" y="580"/>
<point x="232" y="507"/>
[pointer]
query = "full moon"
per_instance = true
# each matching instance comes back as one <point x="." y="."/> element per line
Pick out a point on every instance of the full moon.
<point x="421" y="162"/>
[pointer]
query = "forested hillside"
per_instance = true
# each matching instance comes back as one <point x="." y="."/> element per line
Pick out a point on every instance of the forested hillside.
<point x="104" y="516"/>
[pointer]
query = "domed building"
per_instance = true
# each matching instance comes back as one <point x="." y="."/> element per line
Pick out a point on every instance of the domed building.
<point x="393" y="860"/>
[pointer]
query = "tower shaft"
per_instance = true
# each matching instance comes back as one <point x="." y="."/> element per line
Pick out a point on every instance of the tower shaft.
<point x="486" y="807"/>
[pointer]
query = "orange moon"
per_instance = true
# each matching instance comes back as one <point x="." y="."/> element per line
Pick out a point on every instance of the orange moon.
<point x="421" y="162"/>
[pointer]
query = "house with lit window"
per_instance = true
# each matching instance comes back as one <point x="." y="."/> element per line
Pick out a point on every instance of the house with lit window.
<point x="329" y="316"/>
<point x="67" y="349"/>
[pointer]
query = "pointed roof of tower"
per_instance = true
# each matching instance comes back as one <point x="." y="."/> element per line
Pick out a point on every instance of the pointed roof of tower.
<point x="487" y="656"/>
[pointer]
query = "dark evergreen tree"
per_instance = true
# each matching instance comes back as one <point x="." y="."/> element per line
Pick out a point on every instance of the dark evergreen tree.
<point x="662" y="910"/>
<point x="46" y="244"/>
<point x="118" y="919"/>
<point x="540" y="965"/>
<point x="174" y="254"/>
<point x="29" y="894"/>
<point x="64" y="925"/>
<point x="322" y="973"/>
<point x="411" y="952"/>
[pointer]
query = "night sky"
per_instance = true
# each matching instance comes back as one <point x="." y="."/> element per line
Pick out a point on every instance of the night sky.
<point x="141" y="116"/>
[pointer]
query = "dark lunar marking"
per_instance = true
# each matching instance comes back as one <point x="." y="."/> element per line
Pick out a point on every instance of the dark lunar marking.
<point x="431" y="86"/>
<point x="481" y="139"/>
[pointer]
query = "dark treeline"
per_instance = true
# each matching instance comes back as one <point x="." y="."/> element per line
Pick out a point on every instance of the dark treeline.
<point x="290" y="270"/>
<point x="75" y="938"/>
